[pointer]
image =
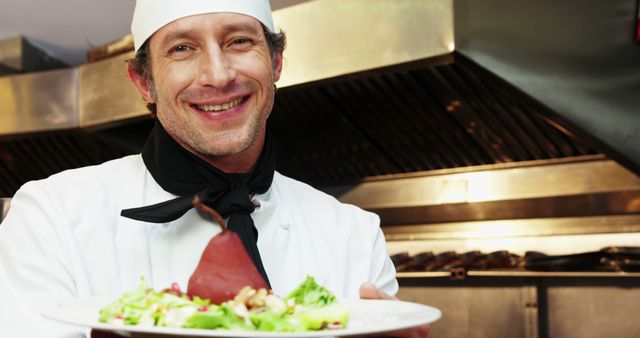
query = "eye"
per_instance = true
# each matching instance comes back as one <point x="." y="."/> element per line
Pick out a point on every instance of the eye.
<point x="241" y="41"/>
<point x="180" y="49"/>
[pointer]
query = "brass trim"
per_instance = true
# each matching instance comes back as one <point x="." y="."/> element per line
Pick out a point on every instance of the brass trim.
<point x="329" y="38"/>
<point x="484" y="167"/>
<point x="515" y="228"/>
<point x="106" y="93"/>
<point x="535" y="274"/>
<point x="517" y="182"/>
<point x="430" y="274"/>
<point x="11" y="52"/>
<point x="37" y="102"/>
<point x="591" y="195"/>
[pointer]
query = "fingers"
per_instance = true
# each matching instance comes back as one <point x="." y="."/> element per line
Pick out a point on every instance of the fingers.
<point x="370" y="291"/>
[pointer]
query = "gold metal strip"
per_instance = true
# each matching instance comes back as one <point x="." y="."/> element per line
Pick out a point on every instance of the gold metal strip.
<point x="37" y="102"/>
<point x="106" y="93"/>
<point x="543" y="180"/>
<point x="488" y="273"/>
<point x="329" y="38"/>
<point x="515" y="228"/>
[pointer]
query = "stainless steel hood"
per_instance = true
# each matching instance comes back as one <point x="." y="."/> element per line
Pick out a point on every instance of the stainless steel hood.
<point x="19" y="55"/>
<point x="99" y="93"/>
<point x="401" y="110"/>
<point x="588" y="194"/>
<point x="331" y="38"/>
<point x="578" y="57"/>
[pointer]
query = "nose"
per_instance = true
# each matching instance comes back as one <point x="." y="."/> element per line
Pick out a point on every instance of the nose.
<point x="216" y="69"/>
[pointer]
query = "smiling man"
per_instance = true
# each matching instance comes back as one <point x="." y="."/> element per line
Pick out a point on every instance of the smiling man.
<point x="207" y="69"/>
<point x="212" y="79"/>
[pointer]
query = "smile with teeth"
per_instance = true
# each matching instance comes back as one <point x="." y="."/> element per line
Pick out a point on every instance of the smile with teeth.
<point x="219" y="107"/>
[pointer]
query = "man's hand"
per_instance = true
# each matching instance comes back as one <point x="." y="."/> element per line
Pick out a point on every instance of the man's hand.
<point x="370" y="291"/>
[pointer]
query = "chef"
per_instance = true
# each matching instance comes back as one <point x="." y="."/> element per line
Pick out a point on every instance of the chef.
<point x="207" y="70"/>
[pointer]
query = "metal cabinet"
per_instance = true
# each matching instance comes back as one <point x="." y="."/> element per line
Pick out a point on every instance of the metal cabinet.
<point x="530" y="305"/>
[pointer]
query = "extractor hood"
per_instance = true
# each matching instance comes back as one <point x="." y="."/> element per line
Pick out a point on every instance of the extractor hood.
<point x="332" y="40"/>
<point x="376" y="106"/>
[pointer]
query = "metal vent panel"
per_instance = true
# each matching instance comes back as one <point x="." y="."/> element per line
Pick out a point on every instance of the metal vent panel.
<point x="398" y="120"/>
<point x="429" y="118"/>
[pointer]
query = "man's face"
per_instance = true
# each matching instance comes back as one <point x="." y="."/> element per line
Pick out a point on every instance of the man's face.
<point x="214" y="82"/>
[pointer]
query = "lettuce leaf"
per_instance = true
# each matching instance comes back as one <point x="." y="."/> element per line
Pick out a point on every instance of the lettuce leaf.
<point x="309" y="307"/>
<point x="219" y="317"/>
<point x="336" y="315"/>
<point x="144" y="306"/>
<point x="310" y="294"/>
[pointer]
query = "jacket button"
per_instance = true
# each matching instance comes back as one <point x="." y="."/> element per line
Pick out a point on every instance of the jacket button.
<point x="285" y="226"/>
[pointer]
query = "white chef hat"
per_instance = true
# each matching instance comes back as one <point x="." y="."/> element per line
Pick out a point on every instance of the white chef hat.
<point x="151" y="15"/>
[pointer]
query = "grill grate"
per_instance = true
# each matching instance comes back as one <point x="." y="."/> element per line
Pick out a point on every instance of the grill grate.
<point x="423" y="119"/>
<point x="32" y="157"/>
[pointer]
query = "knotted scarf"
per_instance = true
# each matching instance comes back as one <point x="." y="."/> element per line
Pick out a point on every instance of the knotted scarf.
<point x="181" y="173"/>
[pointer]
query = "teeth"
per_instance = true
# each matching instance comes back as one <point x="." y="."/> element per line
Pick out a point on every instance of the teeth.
<point x="219" y="107"/>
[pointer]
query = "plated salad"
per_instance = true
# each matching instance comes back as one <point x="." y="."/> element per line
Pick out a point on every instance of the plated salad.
<point x="309" y="307"/>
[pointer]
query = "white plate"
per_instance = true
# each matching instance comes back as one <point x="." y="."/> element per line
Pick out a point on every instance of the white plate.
<point x="367" y="316"/>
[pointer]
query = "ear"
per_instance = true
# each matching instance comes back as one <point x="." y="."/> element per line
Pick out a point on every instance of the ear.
<point x="141" y="84"/>
<point x="278" y="66"/>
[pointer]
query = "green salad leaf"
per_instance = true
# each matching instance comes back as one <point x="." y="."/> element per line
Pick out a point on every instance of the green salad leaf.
<point x="222" y="317"/>
<point x="309" y="307"/>
<point x="311" y="294"/>
<point x="145" y="306"/>
<point x="335" y="315"/>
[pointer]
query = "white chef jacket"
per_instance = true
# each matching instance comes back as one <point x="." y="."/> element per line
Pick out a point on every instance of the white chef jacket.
<point x="64" y="237"/>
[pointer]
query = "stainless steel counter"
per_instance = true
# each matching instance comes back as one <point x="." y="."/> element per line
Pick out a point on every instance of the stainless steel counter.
<point x="528" y="304"/>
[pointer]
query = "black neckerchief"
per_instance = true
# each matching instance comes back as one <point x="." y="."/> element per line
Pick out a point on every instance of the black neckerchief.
<point x="181" y="173"/>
